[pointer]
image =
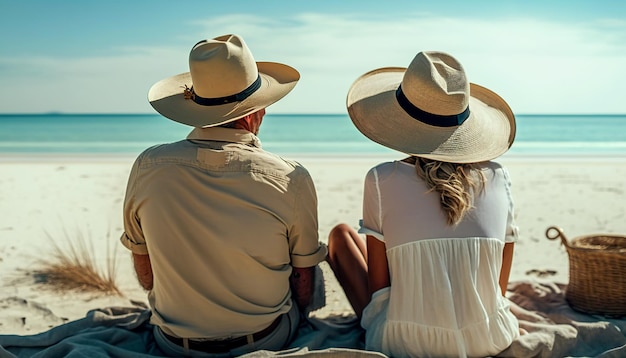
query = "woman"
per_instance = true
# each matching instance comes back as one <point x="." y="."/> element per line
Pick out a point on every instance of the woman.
<point x="430" y="278"/>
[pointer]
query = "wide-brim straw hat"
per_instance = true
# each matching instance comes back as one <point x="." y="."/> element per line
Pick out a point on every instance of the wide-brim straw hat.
<point x="430" y="110"/>
<point x="224" y="83"/>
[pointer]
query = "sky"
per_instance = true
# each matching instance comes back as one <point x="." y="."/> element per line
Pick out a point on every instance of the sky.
<point x="85" y="56"/>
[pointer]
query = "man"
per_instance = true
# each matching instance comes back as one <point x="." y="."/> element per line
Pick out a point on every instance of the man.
<point x="223" y="234"/>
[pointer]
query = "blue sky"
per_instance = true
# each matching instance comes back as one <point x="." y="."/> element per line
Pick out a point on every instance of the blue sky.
<point x="102" y="56"/>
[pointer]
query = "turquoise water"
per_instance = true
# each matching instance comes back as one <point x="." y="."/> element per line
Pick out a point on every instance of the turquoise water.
<point x="288" y="134"/>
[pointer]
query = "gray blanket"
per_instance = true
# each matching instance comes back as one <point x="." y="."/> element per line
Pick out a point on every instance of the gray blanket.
<point x="555" y="330"/>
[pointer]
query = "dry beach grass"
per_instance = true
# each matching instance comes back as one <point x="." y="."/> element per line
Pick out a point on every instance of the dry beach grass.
<point x="73" y="266"/>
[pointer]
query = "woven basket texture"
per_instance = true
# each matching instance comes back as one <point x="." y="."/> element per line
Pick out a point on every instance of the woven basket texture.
<point x="597" y="273"/>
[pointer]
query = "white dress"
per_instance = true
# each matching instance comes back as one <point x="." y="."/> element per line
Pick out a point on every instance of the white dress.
<point x="444" y="298"/>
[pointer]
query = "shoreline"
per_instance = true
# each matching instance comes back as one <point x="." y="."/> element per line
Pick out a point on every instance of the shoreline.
<point x="57" y="195"/>
<point x="30" y="157"/>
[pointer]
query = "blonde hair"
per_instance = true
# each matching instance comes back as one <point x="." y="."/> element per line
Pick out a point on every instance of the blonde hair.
<point x="456" y="184"/>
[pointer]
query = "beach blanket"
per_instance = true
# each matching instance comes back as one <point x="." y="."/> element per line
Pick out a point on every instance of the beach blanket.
<point x="555" y="330"/>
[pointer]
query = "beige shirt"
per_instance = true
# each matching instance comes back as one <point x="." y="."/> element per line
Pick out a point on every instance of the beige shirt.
<point x="223" y="222"/>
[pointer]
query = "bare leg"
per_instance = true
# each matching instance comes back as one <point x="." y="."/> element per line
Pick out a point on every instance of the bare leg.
<point x="347" y="256"/>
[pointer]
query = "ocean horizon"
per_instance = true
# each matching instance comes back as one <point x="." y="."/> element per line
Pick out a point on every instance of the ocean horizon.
<point x="289" y="134"/>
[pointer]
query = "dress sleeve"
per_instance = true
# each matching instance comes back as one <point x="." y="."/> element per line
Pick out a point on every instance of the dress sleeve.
<point x="133" y="238"/>
<point x="372" y="222"/>
<point x="305" y="248"/>
<point x="512" y="230"/>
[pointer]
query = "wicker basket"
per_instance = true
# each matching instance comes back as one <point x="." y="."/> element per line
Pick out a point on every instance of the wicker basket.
<point x="597" y="272"/>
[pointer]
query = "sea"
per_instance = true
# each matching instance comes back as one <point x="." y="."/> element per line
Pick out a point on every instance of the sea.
<point x="325" y="135"/>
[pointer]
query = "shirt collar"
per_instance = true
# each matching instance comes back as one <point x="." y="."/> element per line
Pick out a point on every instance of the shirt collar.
<point x="231" y="135"/>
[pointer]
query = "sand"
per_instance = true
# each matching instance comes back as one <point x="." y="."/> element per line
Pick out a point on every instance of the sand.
<point x="57" y="198"/>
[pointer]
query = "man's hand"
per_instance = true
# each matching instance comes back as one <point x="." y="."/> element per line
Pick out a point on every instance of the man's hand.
<point x="302" y="281"/>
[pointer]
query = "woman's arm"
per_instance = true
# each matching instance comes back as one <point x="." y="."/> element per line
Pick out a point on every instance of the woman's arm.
<point x="507" y="259"/>
<point x="378" y="271"/>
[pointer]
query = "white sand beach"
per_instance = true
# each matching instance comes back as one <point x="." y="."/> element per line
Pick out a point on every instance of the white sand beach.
<point x="57" y="198"/>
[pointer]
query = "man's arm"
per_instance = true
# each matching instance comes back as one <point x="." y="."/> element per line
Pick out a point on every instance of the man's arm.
<point x="302" y="282"/>
<point x="143" y="268"/>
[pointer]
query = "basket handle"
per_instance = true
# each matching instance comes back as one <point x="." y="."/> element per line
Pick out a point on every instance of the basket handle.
<point x="554" y="232"/>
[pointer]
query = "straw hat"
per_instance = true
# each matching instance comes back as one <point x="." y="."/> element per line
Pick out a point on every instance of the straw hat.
<point x="430" y="110"/>
<point x="223" y="84"/>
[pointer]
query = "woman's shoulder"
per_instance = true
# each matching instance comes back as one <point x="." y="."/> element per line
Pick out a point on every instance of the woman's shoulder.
<point x="496" y="175"/>
<point x="490" y="165"/>
<point x="494" y="168"/>
<point x="383" y="165"/>
<point x="386" y="170"/>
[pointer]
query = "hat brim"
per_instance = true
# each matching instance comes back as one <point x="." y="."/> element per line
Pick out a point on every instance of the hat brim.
<point x="488" y="132"/>
<point x="167" y="98"/>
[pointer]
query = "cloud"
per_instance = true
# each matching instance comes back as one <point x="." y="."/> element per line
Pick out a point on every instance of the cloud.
<point x="539" y="66"/>
<point x="115" y="84"/>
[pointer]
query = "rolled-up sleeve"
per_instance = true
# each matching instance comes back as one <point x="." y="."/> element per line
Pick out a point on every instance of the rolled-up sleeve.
<point x="305" y="248"/>
<point x="311" y="259"/>
<point x="136" y="247"/>
<point x="371" y="224"/>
